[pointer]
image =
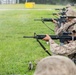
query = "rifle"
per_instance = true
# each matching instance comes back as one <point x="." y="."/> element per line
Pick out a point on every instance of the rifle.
<point x="50" y="19"/>
<point x="37" y="37"/>
<point x="63" y="9"/>
<point x="45" y="19"/>
<point x="62" y="13"/>
<point x="55" y="37"/>
<point x="60" y="20"/>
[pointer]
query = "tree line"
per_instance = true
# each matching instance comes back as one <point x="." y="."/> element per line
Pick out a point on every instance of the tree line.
<point x="50" y="1"/>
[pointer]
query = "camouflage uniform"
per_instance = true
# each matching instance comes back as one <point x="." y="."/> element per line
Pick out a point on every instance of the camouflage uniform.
<point x="67" y="27"/>
<point x="64" y="27"/>
<point x="61" y="24"/>
<point x="68" y="49"/>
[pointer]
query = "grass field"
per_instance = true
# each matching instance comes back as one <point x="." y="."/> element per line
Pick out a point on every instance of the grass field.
<point x="15" y="51"/>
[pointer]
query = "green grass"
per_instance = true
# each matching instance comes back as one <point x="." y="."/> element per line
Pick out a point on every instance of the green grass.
<point x="15" y="51"/>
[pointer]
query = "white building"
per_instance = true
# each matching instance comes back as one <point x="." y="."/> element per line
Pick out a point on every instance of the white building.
<point x="9" y="1"/>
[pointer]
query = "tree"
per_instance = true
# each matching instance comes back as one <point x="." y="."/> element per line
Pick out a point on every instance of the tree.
<point x="49" y="1"/>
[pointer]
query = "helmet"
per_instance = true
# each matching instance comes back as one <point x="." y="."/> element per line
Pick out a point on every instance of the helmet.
<point x="71" y="14"/>
<point x="68" y="5"/>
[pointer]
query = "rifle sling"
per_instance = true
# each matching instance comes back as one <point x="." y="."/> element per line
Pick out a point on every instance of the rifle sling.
<point x="47" y="26"/>
<point x="70" y="26"/>
<point x="43" y="47"/>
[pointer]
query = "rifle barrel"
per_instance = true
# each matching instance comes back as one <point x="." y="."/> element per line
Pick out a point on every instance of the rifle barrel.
<point x="28" y="36"/>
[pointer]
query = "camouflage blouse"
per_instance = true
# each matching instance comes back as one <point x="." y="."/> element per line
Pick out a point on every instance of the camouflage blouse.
<point x="66" y="49"/>
<point x="67" y="27"/>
